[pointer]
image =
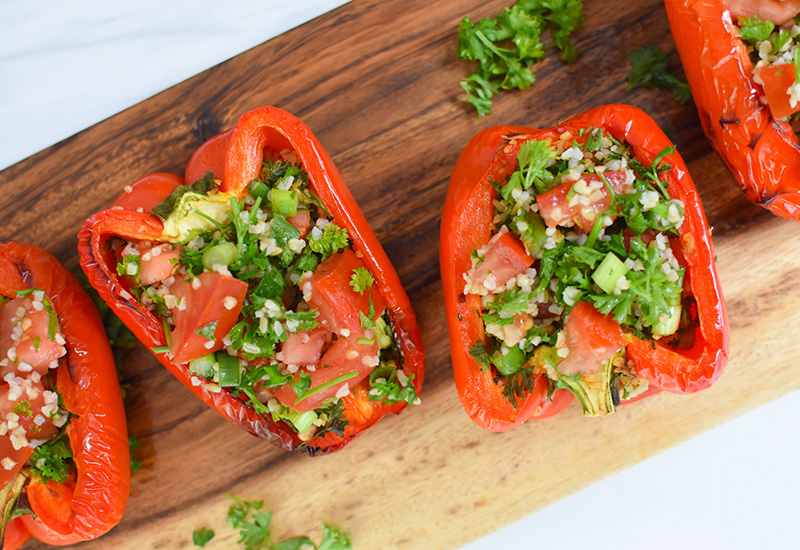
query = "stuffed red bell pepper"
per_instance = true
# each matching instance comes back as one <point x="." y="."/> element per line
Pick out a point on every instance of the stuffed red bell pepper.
<point x="259" y="284"/>
<point x="64" y="453"/>
<point x="577" y="260"/>
<point x="742" y="62"/>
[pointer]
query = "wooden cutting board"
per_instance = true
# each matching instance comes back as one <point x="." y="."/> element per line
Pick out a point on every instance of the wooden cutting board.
<point x="377" y="81"/>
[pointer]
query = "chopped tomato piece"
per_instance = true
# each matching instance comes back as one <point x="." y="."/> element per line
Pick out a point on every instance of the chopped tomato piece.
<point x="304" y="347"/>
<point x="505" y="258"/>
<point x="24" y="329"/>
<point x="592" y="338"/>
<point x="777" y="11"/>
<point x="345" y="355"/>
<point x="218" y="299"/>
<point x="301" y="222"/>
<point x="27" y="403"/>
<point x="159" y="263"/>
<point x="776" y="80"/>
<point x="580" y="203"/>
<point x="328" y="291"/>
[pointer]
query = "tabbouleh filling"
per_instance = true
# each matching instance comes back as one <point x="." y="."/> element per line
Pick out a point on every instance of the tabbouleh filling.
<point x="275" y="357"/>
<point x="598" y="226"/>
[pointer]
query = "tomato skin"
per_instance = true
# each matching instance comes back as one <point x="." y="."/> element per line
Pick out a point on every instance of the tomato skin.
<point x="204" y="305"/>
<point x="505" y="258"/>
<point x="776" y="80"/>
<point x="556" y="209"/>
<point x="328" y="291"/>
<point x="345" y="355"/>
<point x="147" y="192"/>
<point x="209" y="157"/>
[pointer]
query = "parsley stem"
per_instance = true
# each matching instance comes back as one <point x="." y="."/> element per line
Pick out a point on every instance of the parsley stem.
<point x="326" y="385"/>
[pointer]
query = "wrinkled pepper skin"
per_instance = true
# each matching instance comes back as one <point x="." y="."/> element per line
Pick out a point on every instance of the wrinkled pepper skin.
<point x="467" y="224"/>
<point x="87" y="380"/>
<point x="762" y="153"/>
<point x="240" y="151"/>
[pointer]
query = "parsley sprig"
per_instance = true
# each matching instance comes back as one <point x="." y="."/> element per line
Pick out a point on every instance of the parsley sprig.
<point x="508" y="44"/>
<point x="649" y="70"/>
<point x="254" y="525"/>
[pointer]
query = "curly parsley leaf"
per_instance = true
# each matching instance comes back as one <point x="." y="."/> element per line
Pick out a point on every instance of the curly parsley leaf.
<point x="52" y="460"/>
<point x="649" y="70"/>
<point x="507" y="45"/>
<point x="334" y="538"/>
<point x="332" y="239"/>
<point x="361" y="280"/>
<point x="202" y="536"/>
<point x="253" y="524"/>
<point x="479" y="353"/>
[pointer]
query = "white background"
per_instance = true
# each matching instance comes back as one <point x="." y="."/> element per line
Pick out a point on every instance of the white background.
<point x="67" y="65"/>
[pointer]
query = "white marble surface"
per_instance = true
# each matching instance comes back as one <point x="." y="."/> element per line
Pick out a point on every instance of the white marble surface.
<point x="65" y="65"/>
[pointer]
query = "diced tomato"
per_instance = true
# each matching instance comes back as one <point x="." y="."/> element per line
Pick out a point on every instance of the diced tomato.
<point x="776" y="80"/>
<point x="304" y="347"/>
<point x="301" y="222"/>
<point x="581" y="209"/>
<point x="33" y="347"/>
<point x="777" y="11"/>
<point x="592" y="338"/>
<point x="159" y="263"/>
<point x="505" y="258"/>
<point x="328" y="291"/>
<point x="27" y="406"/>
<point x="200" y="307"/>
<point x="147" y="192"/>
<point x="345" y="355"/>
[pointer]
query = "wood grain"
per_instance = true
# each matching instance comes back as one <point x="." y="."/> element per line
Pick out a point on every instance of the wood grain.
<point x="377" y="81"/>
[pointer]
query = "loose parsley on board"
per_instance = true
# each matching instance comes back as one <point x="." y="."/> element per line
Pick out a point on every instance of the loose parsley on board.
<point x="254" y="525"/>
<point x="507" y="45"/>
<point x="649" y="70"/>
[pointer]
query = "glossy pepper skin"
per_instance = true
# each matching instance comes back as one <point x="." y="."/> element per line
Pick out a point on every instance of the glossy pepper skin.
<point x="240" y="151"/>
<point x="763" y="153"/>
<point x="467" y="224"/>
<point x="93" y="502"/>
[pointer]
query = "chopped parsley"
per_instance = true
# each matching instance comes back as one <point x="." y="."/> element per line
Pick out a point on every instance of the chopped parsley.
<point x="254" y="525"/>
<point x="649" y="70"/>
<point x="23" y="408"/>
<point x="507" y="45"/>
<point x="332" y="240"/>
<point x="361" y="280"/>
<point x="52" y="460"/>
<point x="390" y="386"/>
<point x="202" y="536"/>
<point x="755" y="30"/>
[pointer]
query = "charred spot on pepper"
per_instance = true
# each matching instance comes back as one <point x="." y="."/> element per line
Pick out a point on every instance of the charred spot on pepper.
<point x="725" y="120"/>
<point x="754" y="141"/>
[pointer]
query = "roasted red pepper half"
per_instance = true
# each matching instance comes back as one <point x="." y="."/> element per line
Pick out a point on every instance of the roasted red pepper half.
<point x="762" y="151"/>
<point x="93" y="497"/>
<point x="237" y="158"/>
<point x="468" y="222"/>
